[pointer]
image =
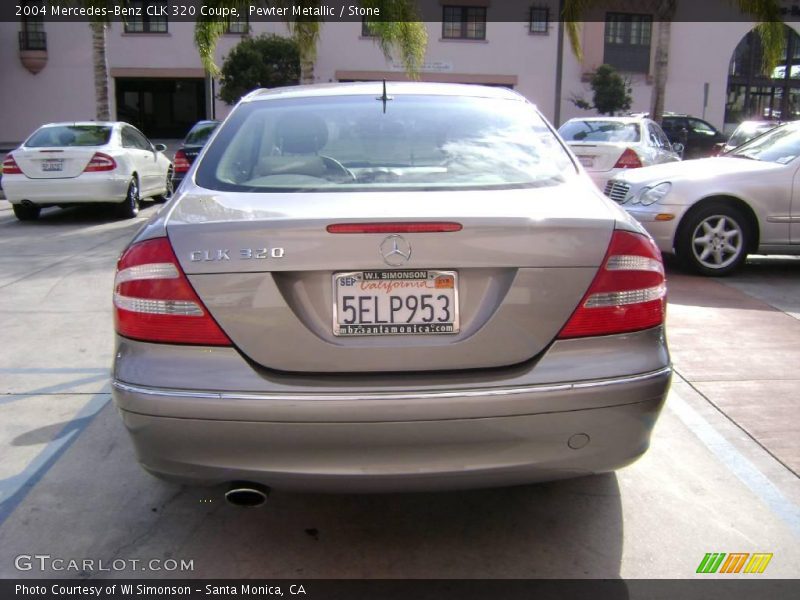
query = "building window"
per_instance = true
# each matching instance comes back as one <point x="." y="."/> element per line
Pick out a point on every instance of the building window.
<point x="753" y="94"/>
<point x="240" y="26"/>
<point x="32" y="35"/>
<point x="627" y="42"/>
<point x="153" y="20"/>
<point x="365" y="29"/>
<point x="540" y="20"/>
<point x="464" y="23"/>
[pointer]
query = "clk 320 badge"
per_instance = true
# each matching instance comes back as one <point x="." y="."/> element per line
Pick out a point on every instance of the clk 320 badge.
<point x="244" y="254"/>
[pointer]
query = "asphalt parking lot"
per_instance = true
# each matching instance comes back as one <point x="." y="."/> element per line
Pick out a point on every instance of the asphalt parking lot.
<point x="721" y="475"/>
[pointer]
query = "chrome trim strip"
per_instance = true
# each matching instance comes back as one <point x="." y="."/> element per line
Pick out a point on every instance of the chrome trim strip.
<point x="783" y="219"/>
<point x="492" y="392"/>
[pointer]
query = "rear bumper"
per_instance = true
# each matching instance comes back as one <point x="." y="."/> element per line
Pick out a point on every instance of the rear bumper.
<point x="177" y="179"/>
<point x="75" y="190"/>
<point x="434" y="440"/>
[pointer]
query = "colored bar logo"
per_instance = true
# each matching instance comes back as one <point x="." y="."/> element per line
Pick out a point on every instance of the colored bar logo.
<point x="735" y="562"/>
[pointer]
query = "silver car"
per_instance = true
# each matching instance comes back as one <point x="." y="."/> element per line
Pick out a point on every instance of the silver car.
<point x="367" y="288"/>
<point x="713" y="212"/>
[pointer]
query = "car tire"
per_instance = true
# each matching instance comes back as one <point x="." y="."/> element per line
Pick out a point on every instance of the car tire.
<point x="26" y="212"/>
<point x="130" y="206"/>
<point x="713" y="240"/>
<point x="170" y="188"/>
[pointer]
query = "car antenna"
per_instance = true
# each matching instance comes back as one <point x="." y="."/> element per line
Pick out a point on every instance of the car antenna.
<point x="384" y="97"/>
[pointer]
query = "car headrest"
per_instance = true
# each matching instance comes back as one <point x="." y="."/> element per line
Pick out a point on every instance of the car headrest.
<point x="65" y="138"/>
<point x="301" y="133"/>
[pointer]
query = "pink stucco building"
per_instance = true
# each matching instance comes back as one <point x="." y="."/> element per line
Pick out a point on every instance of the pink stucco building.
<point x="156" y="81"/>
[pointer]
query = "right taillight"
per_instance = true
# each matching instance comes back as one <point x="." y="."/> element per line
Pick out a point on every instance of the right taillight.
<point x="181" y="163"/>
<point x="627" y="294"/>
<point x="154" y="301"/>
<point x="10" y="166"/>
<point x="100" y="162"/>
<point x="628" y="160"/>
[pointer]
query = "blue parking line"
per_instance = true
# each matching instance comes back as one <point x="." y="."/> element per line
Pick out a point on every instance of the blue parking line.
<point x="60" y="388"/>
<point x="746" y="471"/>
<point x="14" y="489"/>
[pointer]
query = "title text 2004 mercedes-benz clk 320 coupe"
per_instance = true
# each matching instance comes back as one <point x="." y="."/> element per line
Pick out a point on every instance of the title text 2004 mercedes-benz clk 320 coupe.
<point x="369" y="289"/>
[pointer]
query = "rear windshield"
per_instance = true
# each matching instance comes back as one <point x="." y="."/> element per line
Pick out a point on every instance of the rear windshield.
<point x="600" y="131"/>
<point x="348" y="143"/>
<point x="199" y="134"/>
<point x="70" y="135"/>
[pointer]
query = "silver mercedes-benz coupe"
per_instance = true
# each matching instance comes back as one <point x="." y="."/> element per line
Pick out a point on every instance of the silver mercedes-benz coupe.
<point x="377" y="287"/>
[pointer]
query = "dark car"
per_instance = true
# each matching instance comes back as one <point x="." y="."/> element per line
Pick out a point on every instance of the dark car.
<point x="699" y="137"/>
<point x="190" y="147"/>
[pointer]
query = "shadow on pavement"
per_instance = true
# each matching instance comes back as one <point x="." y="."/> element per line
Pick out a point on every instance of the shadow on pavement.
<point x="97" y="502"/>
<point x="79" y="215"/>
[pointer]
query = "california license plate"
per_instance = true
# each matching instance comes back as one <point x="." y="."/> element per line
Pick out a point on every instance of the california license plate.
<point x="586" y="161"/>
<point x="53" y="164"/>
<point x="402" y="302"/>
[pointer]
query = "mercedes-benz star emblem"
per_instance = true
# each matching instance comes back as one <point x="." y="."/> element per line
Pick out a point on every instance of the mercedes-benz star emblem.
<point x="395" y="250"/>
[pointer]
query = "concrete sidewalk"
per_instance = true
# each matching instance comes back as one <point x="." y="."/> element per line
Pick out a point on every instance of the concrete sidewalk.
<point x="740" y="351"/>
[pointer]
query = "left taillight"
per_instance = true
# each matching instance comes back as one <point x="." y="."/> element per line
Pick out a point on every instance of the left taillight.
<point x="10" y="166"/>
<point x="100" y="162"/>
<point x="181" y="162"/>
<point x="154" y="301"/>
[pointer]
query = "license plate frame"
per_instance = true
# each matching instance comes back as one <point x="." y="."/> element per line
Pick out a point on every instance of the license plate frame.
<point x="52" y="165"/>
<point x="383" y="283"/>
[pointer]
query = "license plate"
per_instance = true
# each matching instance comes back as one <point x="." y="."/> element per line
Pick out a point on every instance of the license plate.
<point x="586" y="161"/>
<point x="403" y="302"/>
<point x="53" y="164"/>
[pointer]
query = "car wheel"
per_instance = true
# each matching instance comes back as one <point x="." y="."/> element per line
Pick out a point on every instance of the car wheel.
<point x="713" y="241"/>
<point x="130" y="206"/>
<point x="170" y="188"/>
<point x="26" y="212"/>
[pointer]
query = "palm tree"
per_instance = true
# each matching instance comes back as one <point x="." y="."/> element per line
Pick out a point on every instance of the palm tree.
<point x="399" y="30"/>
<point x="100" y="69"/>
<point x="766" y="12"/>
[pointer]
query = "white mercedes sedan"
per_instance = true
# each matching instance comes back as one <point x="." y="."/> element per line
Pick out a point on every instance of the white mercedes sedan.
<point x="712" y="212"/>
<point x="65" y="164"/>
<point x="606" y="146"/>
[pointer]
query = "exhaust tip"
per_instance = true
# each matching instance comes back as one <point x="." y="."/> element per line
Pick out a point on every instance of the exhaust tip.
<point x="246" y="493"/>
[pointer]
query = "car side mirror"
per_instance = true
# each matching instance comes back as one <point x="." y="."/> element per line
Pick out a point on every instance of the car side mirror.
<point x="160" y="147"/>
<point x="677" y="147"/>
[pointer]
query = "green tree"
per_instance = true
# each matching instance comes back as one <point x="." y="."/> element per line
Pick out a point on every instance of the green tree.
<point x="766" y="13"/>
<point x="611" y="93"/>
<point x="397" y="31"/>
<point x="263" y="61"/>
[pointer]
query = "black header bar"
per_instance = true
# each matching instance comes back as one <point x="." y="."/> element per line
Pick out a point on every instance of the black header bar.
<point x="517" y="11"/>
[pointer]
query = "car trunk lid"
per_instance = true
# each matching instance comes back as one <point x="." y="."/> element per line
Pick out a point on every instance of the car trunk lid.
<point x="265" y="267"/>
<point x="54" y="162"/>
<point x="598" y="156"/>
